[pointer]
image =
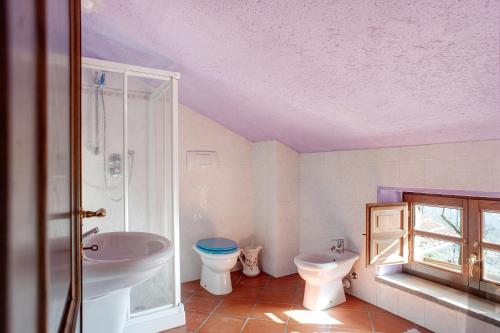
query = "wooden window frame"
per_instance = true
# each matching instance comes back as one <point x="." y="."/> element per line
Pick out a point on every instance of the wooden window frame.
<point x="478" y="206"/>
<point x="438" y="274"/>
<point x="471" y="243"/>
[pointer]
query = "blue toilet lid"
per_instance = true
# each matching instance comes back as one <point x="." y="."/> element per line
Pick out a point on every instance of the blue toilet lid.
<point x="217" y="245"/>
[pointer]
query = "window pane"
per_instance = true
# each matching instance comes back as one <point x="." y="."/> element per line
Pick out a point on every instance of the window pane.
<point x="438" y="252"/>
<point x="439" y="220"/>
<point x="491" y="265"/>
<point x="491" y="227"/>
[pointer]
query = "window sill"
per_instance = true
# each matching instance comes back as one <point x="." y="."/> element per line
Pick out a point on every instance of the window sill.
<point x="474" y="306"/>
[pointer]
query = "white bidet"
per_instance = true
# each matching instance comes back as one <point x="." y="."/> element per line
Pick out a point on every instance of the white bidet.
<point x="323" y="273"/>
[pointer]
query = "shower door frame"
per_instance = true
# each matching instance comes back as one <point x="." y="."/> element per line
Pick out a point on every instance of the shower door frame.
<point x="154" y="318"/>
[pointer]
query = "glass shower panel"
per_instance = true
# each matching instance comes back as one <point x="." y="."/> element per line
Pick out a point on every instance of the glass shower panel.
<point x="102" y="151"/>
<point x="149" y="132"/>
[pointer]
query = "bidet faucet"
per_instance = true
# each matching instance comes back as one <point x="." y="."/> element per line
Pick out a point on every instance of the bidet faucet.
<point x="338" y="245"/>
<point x="90" y="232"/>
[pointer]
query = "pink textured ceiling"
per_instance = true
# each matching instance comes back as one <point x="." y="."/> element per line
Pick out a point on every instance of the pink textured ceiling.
<point x="319" y="75"/>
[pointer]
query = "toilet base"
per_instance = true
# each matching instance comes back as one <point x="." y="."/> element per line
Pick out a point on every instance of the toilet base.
<point x="319" y="297"/>
<point x="217" y="283"/>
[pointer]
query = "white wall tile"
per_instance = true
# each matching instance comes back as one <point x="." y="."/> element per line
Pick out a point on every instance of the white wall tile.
<point x="468" y="324"/>
<point x="276" y="206"/>
<point x="387" y="298"/>
<point x="411" y="308"/>
<point x="440" y="319"/>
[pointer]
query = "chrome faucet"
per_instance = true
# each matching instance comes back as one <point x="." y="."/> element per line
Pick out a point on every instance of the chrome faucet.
<point x="90" y="232"/>
<point x="339" y="246"/>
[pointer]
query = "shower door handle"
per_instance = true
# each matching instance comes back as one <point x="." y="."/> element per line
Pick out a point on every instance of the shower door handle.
<point x="101" y="212"/>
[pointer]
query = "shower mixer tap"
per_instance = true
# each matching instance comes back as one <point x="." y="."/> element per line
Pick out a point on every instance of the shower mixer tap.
<point x="115" y="165"/>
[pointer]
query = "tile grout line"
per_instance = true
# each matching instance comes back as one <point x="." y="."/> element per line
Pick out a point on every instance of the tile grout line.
<point x="209" y="314"/>
<point x="372" y="325"/>
<point x="291" y="307"/>
<point x="248" y="317"/>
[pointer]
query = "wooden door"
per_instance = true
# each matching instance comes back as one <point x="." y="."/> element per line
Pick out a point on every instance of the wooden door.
<point x="40" y="279"/>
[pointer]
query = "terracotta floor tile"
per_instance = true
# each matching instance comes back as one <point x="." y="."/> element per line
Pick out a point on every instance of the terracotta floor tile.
<point x="221" y="324"/>
<point x="271" y="311"/>
<point x="288" y="278"/>
<point x="284" y="283"/>
<point x="298" y="299"/>
<point x="201" y="304"/>
<point x="277" y="296"/>
<point x="235" y="307"/>
<point x="246" y="293"/>
<point x="389" y="323"/>
<point x="181" y="329"/>
<point x="185" y="295"/>
<point x="263" y="326"/>
<point x="191" y="286"/>
<point x="354" y="303"/>
<point x="235" y="277"/>
<point x="260" y="281"/>
<point x="203" y="292"/>
<point x="193" y="322"/>
<point x="299" y="315"/>
<point x="299" y="328"/>
<point x="266" y="304"/>
<point x="349" y="319"/>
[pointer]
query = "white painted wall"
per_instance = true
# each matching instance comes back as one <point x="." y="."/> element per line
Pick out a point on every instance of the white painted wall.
<point x="335" y="186"/>
<point x="214" y="202"/>
<point x="276" y="196"/>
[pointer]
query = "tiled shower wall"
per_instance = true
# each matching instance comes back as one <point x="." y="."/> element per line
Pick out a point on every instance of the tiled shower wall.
<point x="335" y="186"/>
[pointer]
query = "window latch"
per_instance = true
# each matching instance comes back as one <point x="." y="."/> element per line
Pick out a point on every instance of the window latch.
<point x="472" y="261"/>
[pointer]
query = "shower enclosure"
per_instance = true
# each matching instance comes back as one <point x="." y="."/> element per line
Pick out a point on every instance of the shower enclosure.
<point x="129" y="167"/>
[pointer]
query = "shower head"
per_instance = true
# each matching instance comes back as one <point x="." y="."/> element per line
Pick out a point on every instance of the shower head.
<point x="99" y="78"/>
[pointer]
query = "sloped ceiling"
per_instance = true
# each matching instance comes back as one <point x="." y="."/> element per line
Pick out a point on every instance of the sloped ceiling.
<point x="319" y="75"/>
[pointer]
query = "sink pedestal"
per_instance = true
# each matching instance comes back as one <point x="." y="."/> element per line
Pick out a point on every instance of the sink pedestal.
<point x="319" y="297"/>
<point x="106" y="314"/>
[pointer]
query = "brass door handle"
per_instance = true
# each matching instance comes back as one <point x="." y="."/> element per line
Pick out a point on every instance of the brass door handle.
<point x="101" y="212"/>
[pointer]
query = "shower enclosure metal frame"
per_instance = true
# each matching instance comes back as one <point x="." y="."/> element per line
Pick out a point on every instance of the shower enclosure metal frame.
<point x="153" y="319"/>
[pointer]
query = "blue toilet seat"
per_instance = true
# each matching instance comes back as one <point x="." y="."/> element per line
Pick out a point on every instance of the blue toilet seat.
<point x="217" y="245"/>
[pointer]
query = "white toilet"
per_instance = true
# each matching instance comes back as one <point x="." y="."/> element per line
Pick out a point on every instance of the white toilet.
<point x="218" y="256"/>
